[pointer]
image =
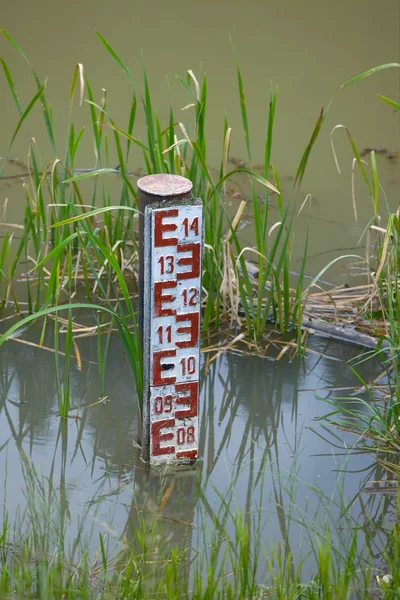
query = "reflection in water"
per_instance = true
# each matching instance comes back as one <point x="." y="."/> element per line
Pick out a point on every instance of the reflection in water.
<point x="261" y="452"/>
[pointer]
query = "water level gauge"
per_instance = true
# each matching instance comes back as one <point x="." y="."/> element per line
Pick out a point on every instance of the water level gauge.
<point x="171" y="328"/>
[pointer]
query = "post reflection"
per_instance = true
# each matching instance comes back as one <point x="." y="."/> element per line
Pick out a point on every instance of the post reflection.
<point x="262" y="454"/>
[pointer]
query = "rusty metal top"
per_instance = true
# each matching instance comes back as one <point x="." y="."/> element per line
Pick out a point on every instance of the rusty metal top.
<point x="164" y="185"/>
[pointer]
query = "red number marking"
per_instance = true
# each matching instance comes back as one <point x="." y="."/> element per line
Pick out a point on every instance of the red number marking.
<point x="188" y="365"/>
<point x="160" y="298"/>
<point x="193" y="261"/>
<point x="166" y="264"/>
<point x="192" y="300"/>
<point x="190" y="435"/>
<point x="192" y="329"/>
<point x="168" y="331"/>
<point x="158" y="437"/>
<point x="160" y="228"/>
<point x="180" y="436"/>
<point x="158" y="372"/>
<point x="158" y="405"/>
<point x="163" y="405"/>
<point x="185" y="435"/>
<point x="191" y="399"/>
<point x="168" y="403"/>
<point x="193" y="227"/>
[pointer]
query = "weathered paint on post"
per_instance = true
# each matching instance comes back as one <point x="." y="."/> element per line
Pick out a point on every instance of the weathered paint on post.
<point x="170" y="308"/>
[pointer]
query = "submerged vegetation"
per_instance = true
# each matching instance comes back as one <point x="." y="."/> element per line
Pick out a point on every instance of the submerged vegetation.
<point x="38" y="562"/>
<point x="75" y="253"/>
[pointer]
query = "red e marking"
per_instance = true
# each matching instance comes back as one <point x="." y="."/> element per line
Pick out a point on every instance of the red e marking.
<point x="193" y="261"/>
<point x="158" y="369"/>
<point x="192" y="329"/>
<point x="191" y="400"/>
<point x="160" y="228"/>
<point x="160" y="299"/>
<point x="158" y="437"/>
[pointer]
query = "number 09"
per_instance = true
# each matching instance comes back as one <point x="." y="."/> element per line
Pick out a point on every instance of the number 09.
<point x="163" y="404"/>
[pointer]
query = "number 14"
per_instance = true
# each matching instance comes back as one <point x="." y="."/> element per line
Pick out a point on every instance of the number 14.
<point x="193" y="227"/>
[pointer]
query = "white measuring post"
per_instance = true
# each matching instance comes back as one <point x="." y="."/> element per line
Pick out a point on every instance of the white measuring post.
<point x="171" y="244"/>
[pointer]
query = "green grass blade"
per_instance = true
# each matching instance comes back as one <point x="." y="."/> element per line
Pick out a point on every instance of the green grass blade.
<point x="56" y="251"/>
<point x="170" y="135"/>
<point x="203" y="165"/>
<point x="21" y="120"/>
<point x="332" y="262"/>
<point x="95" y="127"/>
<point x="359" y="161"/>
<point x="306" y="155"/>
<point x="268" y="140"/>
<point x="132" y="118"/>
<point x="48" y="117"/>
<point x="3" y="253"/>
<point x="186" y="85"/>
<point x="78" y="72"/>
<point x="92" y="213"/>
<point x="375" y="183"/>
<point x="162" y="161"/>
<point x="89" y="174"/>
<point x="390" y="102"/>
<point x="370" y="72"/>
<point x="129" y="137"/>
<point x="297" y="308"/>
<point x="11" y="85"/>
<point x="75" y="145"/>
<point x="47" y="311"/>
<point x="243" y="111"/>
<point x="252" y="174"/>
<point x="115" y="56"/>
<point x="16" y="46"/>
<point x="148" y="111"/>
<point x="46" y="109"/>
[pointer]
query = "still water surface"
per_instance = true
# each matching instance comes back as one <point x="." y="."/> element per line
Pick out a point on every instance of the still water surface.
<point x="262" y="452"/>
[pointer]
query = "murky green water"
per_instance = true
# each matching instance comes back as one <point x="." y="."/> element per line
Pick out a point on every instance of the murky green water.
<point x="258" y="445"/>
<point x="305" y="49"/>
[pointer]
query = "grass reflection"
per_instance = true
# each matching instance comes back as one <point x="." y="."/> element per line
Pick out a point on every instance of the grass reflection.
<point x="251" y="519"/>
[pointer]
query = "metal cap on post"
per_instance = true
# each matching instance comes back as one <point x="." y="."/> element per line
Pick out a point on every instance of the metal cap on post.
<point x="170" y="250"/>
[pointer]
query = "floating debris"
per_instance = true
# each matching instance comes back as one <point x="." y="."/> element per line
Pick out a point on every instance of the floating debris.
<point x="390" y="154"/>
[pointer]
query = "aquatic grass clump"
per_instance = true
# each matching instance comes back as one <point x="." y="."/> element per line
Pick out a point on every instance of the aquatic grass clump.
<point x="37" y="561"/>
<point x="377" y="421"/>
<point x="57" y="208"/>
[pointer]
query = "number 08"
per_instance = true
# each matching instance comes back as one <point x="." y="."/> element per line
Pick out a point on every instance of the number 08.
<point x="185" y="435"/>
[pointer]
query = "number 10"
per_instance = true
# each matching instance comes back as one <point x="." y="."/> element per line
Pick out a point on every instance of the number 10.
<point x="188" y="365"/>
